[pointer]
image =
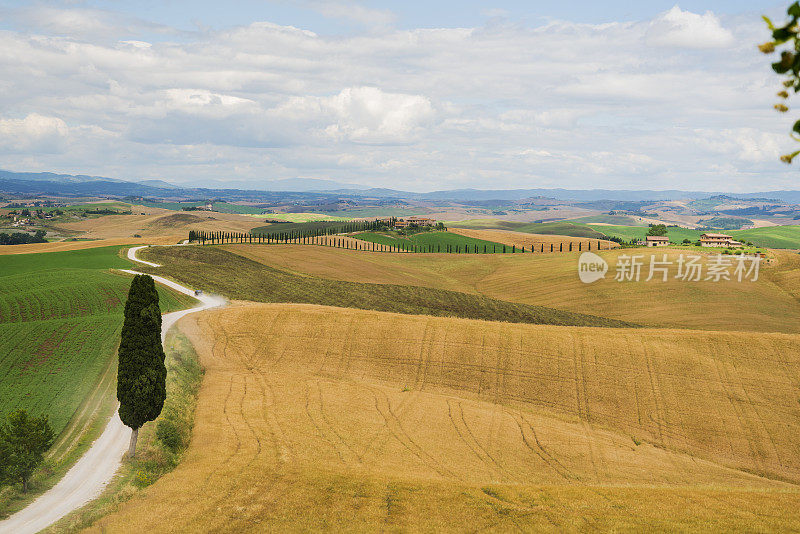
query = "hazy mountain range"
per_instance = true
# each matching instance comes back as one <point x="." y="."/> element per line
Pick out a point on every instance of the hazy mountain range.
<point x="82" y="185"/>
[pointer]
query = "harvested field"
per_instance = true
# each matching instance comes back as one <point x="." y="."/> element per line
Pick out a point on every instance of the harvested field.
<point x="522" y="239"/>
<point x="176" y="220"/>
<point x="317" y="418"/>
<point x="768" y="305"/>
<point x="237" y="277"/>
<point x="158" y="225"/>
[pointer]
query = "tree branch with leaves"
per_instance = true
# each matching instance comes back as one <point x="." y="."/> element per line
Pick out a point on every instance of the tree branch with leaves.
<point x="788" y="66"/>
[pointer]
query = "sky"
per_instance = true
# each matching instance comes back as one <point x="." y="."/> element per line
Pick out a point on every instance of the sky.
<point x="417" y="96"/>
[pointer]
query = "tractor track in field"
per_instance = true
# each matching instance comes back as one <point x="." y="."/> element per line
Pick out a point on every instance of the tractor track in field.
<point x="87" y="479"/>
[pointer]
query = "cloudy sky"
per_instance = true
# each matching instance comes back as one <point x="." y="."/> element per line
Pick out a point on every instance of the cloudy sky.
<point x="419" y="96"/>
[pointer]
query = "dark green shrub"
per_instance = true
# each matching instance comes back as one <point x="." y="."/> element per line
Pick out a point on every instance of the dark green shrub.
<point x="169" y="434"/>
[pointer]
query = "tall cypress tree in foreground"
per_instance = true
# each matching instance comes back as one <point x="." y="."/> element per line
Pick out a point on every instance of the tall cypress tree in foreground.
<point x="142" y="375"/>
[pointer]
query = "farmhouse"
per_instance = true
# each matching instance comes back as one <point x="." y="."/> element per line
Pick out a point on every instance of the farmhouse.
<point x="418" y="221"/>
<point x="656" y="241"/>
<point x="718" y="240"/>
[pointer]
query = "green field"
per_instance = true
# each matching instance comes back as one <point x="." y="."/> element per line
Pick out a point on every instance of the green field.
<point x="60" y="315"/>
<point x="768" y="237"/>
<point x="435" y="240"/>
<point x="631" y="233"/>
<point x="771" y="236"/>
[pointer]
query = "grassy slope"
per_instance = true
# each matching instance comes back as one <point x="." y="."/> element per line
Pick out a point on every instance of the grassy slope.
<point x="771" y="236"/>
<point x="630" y="233"/>
<point x="314" y="418"/>
<point x="60" y="316"/>
<point x="768" y="305"/>
<point x="211" y="268"/>
<point x="429" y="239"/>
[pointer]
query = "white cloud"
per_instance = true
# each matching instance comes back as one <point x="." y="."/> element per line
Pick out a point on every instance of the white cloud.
<point x="563" y="104"/>
<point x="35" y="134"/>
<point x="363" y="114"/>
<point x="744" y="144"/>
<point x="684" y="29"/>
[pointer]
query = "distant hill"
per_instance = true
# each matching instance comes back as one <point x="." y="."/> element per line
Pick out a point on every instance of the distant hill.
<point x="288" y="184"/>
<point x="74" y="185"/>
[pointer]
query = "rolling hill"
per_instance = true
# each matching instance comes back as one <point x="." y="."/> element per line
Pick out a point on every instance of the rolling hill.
<point x="318" y="418"/>
<point x="550" y="280"/>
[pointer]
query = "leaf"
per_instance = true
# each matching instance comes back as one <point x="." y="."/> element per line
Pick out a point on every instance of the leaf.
<point x="794" y="10"/>
<point x="796" y="127"/>
<point x="779" y="68"/>
<point x="787" y="158"/>
<point x="781" y="35"/>
<point x="770" y="25"/>
<point x="768" y="47"/>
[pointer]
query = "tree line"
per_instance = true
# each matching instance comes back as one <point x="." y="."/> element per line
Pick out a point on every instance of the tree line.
<point x="303" y="238"/>
<point x="22" y="238"/>
<point x="219" y="237"/>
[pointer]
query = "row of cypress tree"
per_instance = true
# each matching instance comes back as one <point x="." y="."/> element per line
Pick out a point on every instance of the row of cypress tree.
<point x="304" y="238"/>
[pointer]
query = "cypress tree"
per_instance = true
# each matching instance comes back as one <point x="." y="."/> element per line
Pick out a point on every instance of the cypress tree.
<point x="142" y="375"/>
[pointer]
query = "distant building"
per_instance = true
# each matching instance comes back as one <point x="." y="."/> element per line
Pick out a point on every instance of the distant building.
<point x="719" y="240"/>
<point x="656" y="241"/>
<point x="419" y="221"/>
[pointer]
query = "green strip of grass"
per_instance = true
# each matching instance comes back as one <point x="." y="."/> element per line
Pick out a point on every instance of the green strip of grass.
<point x="236" y="277"/>
<point x="433" y="241"/>
<point x="90" y="258"/>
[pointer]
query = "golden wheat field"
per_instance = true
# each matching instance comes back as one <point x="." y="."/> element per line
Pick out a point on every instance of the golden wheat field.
<point x="160" y="224"/>
<point x="314" y="418"/>
<point x="524" y="239"/>
<point x="767" y="305"/>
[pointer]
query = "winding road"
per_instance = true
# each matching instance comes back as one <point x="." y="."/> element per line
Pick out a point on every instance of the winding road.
<point x="86" y="480"/>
